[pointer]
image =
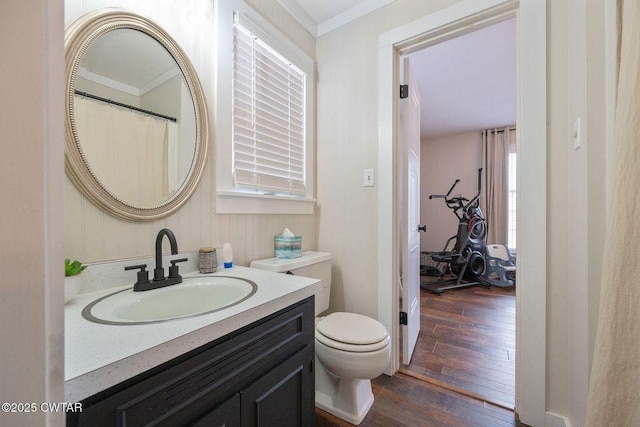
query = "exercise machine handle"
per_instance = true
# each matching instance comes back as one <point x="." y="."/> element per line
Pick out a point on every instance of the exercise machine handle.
<point x="444" y="196"/>
<point x="452" y="187"/>
<point x="477" y="196"/>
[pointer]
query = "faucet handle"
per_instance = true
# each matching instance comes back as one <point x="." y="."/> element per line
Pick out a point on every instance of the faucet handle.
<point x="173" y="269"/>
<point x="143" y="274"/>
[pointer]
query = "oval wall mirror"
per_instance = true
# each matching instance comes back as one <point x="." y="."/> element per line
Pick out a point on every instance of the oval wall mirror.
<point x="137" y="125"/>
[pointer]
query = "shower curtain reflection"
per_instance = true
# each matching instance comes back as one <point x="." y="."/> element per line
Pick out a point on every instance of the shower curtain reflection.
<point x="132" y="154"/>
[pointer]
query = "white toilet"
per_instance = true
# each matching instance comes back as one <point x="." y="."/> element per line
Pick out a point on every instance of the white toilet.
<point x="351" y="349"/>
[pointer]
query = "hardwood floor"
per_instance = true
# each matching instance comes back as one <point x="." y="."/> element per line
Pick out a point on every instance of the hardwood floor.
<point x="402" y="400"/>
<point x="467" y="341"/>
<point x="464" y="359"/>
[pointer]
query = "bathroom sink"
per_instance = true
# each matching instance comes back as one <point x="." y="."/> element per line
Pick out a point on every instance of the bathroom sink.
<point x="195" y="296"/>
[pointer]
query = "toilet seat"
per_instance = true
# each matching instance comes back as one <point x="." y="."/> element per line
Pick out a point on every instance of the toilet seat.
<point x="352" y="332"/>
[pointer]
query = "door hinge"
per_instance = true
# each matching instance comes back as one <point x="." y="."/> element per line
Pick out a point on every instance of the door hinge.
<point x="404" y="91"/>
<point x="403" y="318"/>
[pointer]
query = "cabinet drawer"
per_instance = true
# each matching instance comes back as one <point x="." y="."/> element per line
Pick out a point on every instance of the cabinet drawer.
<point x="185" y="389"/>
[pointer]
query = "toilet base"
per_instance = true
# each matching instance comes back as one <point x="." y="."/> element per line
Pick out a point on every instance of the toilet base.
<point x="347" y="399"/>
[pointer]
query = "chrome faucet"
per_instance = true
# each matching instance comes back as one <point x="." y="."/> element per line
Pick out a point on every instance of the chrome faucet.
<point x="159" y="280"/>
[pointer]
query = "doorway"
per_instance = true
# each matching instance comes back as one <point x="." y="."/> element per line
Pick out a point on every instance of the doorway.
<point x="468" y="93"/>
<point x="447" y="23"/>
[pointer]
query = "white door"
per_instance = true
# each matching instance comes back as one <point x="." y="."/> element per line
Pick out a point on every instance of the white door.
<point x="409" y="142"/>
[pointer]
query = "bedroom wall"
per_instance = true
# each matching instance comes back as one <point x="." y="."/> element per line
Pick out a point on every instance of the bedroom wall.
<point x="442" y="161"/>
<point x="91" y="235"/>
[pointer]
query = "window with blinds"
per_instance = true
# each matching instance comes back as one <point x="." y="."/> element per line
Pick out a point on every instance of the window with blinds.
<point x="268" y="131"/>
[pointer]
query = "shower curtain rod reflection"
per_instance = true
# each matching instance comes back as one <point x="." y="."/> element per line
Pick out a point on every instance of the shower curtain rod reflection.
<point x="120" y="104"/>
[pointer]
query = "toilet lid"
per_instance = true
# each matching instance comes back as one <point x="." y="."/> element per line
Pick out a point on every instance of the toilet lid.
<point x="352" y="328"/>
<point x="352" y="348"/>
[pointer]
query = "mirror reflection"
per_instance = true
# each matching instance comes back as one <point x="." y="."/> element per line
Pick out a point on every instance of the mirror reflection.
<point x="134" y="117"/>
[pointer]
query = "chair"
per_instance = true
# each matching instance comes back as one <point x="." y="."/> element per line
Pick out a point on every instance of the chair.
<point x="500" y="268"/>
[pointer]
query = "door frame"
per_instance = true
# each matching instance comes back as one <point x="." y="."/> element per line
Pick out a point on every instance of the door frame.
<point x="453" y="21"/>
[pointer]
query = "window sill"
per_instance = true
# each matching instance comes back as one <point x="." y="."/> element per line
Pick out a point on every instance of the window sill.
<point x="230" y="202"/>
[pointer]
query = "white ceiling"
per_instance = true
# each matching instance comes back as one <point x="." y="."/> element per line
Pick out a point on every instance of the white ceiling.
<point x="143" y="64"/>
<point x="320" y="11"/>
<point x="322" y="16"/>
<point x="468" y="83"/>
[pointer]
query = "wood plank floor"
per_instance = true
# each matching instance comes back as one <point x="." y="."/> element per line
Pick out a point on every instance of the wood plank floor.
<point x="467" y="340"/>
<point x="402" y="400"/>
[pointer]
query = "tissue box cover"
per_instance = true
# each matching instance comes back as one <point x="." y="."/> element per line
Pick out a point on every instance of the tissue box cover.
<point x="288" y="247"/>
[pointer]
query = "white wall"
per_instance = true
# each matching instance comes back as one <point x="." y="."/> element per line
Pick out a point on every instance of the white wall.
<point x="31" y="172"/>
<point x="587" y="201"/>
<point x="347" y="136"/>
<point x="91" y="235"/>
<point x="161" y="99"/>
<point x="347" y="144"/>
<point x="557" y="220"/>
<point x="442" y="161"/>
<point x="94" y="88"/>
<point x="578" y="261"/>
<point x="577" y="197"/>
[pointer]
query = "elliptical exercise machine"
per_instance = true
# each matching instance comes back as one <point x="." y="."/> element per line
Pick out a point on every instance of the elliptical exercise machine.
<point x="466" y="260"/>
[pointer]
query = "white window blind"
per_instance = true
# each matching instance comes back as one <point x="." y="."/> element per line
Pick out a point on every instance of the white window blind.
<point x="268" y="129"/>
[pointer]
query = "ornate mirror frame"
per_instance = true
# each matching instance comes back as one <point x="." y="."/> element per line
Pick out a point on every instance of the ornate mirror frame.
<point x="79" y="36"/>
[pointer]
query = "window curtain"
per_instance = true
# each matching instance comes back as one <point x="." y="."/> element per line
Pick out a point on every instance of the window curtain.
<point x="614" y="393"/>
<point x="495" y="188"/>
<point x="127" y="151"/>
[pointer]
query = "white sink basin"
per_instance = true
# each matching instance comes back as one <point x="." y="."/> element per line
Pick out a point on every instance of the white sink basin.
<point x="195" y="296"/>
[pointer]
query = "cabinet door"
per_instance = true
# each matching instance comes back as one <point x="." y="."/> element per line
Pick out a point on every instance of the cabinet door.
<point x="226" y="414"/>
<point x="283" y="397"/>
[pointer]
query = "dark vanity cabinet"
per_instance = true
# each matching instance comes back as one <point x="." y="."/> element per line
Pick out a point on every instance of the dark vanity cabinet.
<point x="260" y="375"/>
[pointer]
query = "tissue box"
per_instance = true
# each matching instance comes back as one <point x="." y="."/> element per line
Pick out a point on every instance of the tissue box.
<point x="288" y="247"/>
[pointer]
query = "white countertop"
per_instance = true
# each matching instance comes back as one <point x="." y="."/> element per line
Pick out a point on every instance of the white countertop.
<point x="99" y="356"/>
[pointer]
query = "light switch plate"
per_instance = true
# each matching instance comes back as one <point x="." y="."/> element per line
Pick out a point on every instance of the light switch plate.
<point x="369" y="178"/>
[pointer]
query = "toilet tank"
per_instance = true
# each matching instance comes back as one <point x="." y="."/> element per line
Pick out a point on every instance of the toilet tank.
<point x="315" y="265"/>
